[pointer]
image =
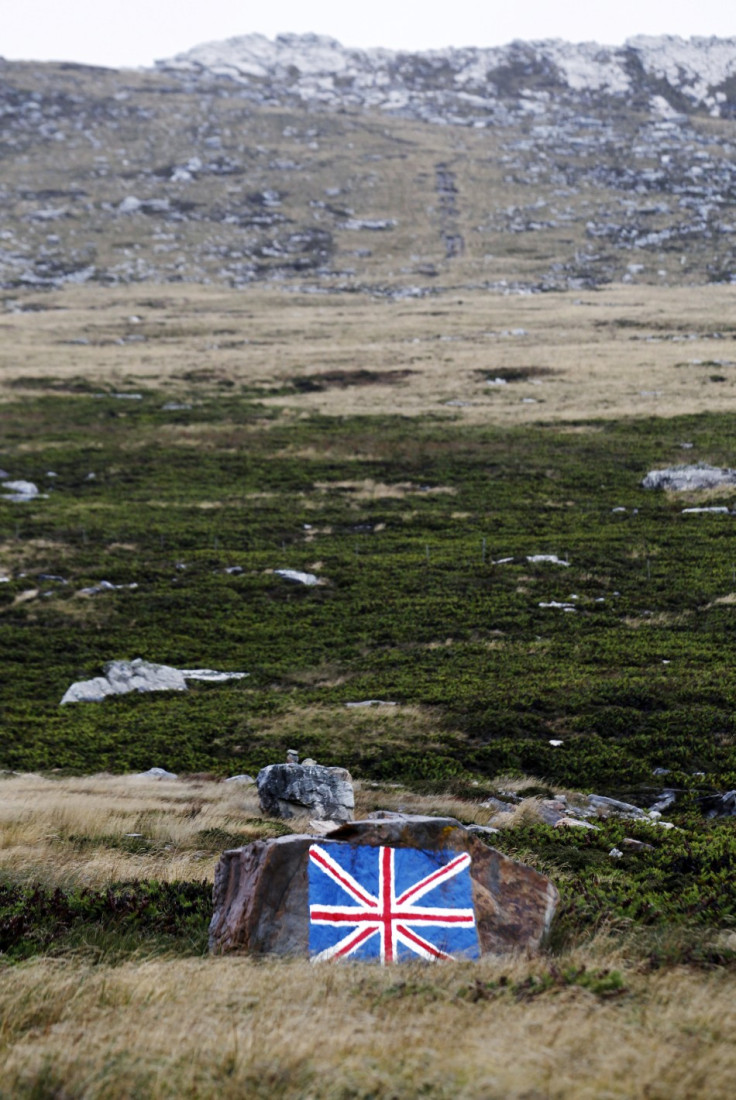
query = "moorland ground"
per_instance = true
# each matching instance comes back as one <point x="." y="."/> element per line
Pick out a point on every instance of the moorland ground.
<point x="414" y="455"/>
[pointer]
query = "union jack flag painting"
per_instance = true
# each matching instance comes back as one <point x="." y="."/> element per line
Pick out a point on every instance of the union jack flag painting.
<point x="390" y="904"/>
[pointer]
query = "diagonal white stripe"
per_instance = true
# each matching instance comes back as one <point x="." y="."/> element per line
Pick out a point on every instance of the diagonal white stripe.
<point x="340" y="947"/>
<point x="342" y="877"/>
<point x="433" y="880"/>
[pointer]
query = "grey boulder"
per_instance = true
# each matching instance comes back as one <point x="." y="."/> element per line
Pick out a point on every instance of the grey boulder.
<point x="682" y="478"/>
<point x="322" y="793"/>
<point x="139" y="675"/>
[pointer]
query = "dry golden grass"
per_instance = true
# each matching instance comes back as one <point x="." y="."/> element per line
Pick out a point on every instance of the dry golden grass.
<point x="235" y="1027"/>
<point x="162" y="1027"/>
<point x="68" y="831"/>
<point x="65" y="830"/>
<point x="623" y="351"/>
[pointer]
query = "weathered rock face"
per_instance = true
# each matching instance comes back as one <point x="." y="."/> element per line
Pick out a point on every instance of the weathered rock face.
<point x="263" y="892"/>
<point x="682" y="478"/>
<point x="289" y="789"/>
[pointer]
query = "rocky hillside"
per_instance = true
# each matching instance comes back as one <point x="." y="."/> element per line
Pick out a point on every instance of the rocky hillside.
<point x="537" y="166"/>
<point x="479" y="87"/>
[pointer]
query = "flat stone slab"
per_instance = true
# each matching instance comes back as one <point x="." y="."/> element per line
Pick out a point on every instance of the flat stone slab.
<point x="391" y="889"/>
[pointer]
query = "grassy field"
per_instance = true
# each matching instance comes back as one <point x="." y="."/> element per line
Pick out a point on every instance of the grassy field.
<point x="371" y="443"/>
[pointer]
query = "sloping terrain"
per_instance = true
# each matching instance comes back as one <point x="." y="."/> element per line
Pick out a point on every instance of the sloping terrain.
<point x="543" y="167"/>
<point x="276" y="310"/>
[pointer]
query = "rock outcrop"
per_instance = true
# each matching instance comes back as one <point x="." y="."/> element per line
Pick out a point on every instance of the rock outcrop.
<point x="139" y="675"/>
<point x="665" y="73"/>
<point x="263" y="892"/>
<point x="289" y="789"/>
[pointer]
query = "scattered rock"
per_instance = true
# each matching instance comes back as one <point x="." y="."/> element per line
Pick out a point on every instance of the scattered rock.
<point x="689" y="478"/>
<point x="21" y="492"/>
<point x="154" y="773"/>
<point x="637" y="845"/>
<point x="323" y="793"/>
<point x="104" y="586"/>
<point x="373" y="703"/>
<point x="139" y="675"/>
<point x="242" y="780"/>
<point x="719" y="805"/>
<point x="263" y="892"/>
<point x="606" y="807"/>
<point x="574" y="823"/>
<point x="297" y="577"/>
<point x="211" y="675"/>
<point x="551" y="559"/>
<point x="666" y="799"/>
<point x="616" y="853"/>
<point x="498" y="806"/>
<point x="551" y="810"/>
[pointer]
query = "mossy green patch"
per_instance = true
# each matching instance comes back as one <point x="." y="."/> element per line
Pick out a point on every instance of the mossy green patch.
<point x="421" y="533"/>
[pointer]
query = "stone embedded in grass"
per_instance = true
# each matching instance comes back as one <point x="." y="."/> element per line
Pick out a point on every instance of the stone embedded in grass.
<point x="721" y="510"/>
<point x="297" y="577"/>
<point x="21" y="492"/>
<point x="373" y="703"/>
<point x="573" y="823"/>
<point x="550" y="559"/>
<point x="385" y="890"/>
<point x="719" y="805"/>
<point x="323" y="793"/>
<point x="688" y="478"/>
<point x="105" y="586"/>
<point x="122" y="677"/>
<point x="600" y="804"/>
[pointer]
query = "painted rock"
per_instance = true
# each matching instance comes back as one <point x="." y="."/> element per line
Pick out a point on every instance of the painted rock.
<point x="398" y="888"/>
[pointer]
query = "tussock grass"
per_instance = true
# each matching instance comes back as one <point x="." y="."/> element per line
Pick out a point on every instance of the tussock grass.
<point x="92" y="830"/>
<point x="236" y="1027"/>
<point x="606" y="1016"/>
<point x="89" y="831"/>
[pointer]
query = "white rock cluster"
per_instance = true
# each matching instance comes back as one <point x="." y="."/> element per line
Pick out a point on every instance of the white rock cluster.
<point x="139" y="675"/>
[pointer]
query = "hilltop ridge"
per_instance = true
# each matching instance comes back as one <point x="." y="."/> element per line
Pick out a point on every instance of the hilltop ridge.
<point x="472" y="84"/>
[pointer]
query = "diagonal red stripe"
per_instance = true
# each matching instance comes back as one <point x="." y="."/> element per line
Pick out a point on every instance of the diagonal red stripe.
<point x="422" y="942"/>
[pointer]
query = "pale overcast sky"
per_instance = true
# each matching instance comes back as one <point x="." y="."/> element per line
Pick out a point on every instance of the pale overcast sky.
<point x="135" y="32"/>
